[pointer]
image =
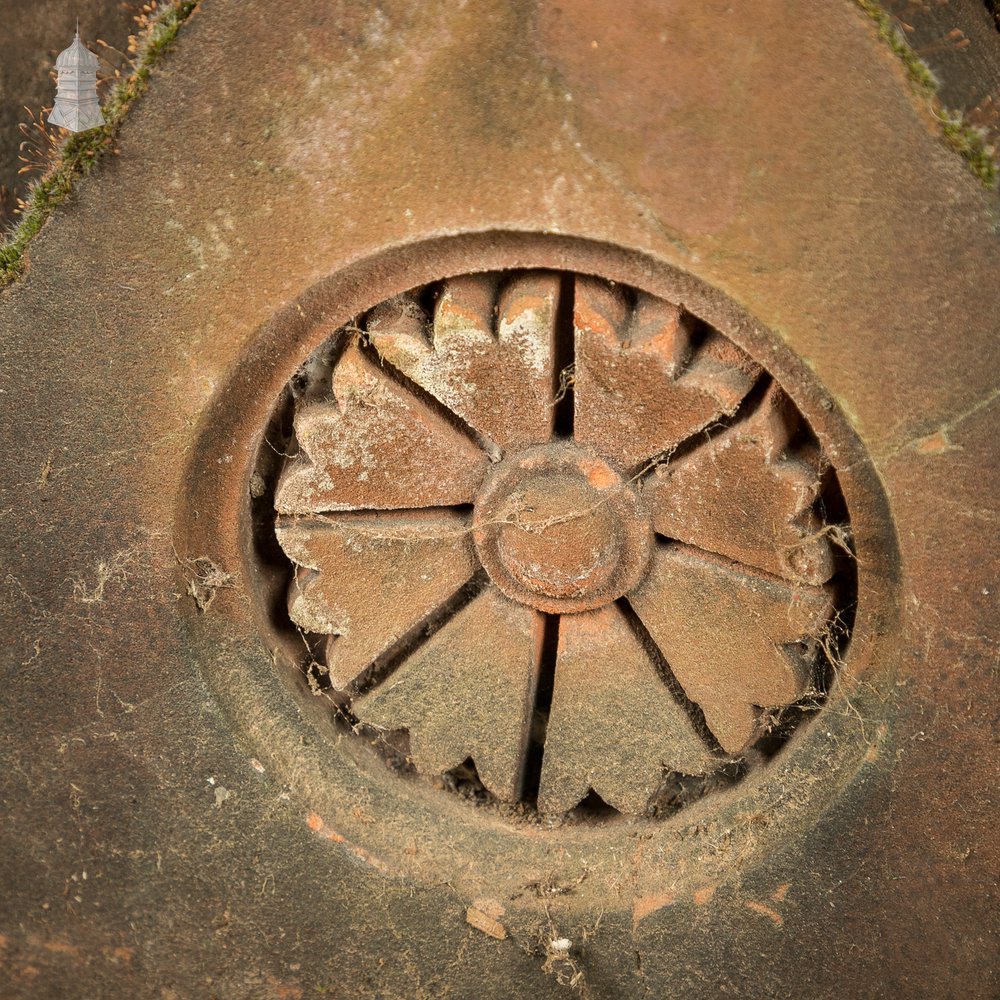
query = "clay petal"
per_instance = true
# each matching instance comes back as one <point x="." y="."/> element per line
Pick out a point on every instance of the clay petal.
<point x="377" y="447"/>
<point x="367" y="581"/>
<point x="742" y="496"/>
<point x="488" y="355"/>
<point x="644" y="381"/>
<point x="614" y="726"/>
<point x="467" y="692"/>
<point x="733" y="640"/>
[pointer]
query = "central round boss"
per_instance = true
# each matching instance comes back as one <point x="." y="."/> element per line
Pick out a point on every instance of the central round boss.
<point x="557" y="528"/>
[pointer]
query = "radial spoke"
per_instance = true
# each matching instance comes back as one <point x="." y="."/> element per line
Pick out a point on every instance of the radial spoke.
<point x="743" y="496"/>
<point x="467" y="692"/>
<point x="613" y="725"/>
<point x="376" y="446"/>
<point x="648" y="377"/>
<point x="488" y="355"/>
<point x="368" y="581"/>
<point x="735" y="641"/>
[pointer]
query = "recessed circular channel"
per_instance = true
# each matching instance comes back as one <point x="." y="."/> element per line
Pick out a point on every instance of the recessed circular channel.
<point x="553" y="542"/>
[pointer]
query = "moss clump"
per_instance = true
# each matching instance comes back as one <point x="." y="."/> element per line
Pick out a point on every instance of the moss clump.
<point x="81" y="150"/>
<point x="916" y="69"/>
<point x="967" y="140"/>
<point x="971" y="144"/>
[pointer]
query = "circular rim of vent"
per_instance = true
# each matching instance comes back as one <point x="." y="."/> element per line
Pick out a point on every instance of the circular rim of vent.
<point x="664" y="597"/>
<point x="465" y="839"/>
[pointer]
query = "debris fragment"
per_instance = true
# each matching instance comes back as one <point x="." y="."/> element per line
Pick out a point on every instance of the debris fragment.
<point x="483" y="916"/>
<point x="112" y="570"/>
<point x="204" y="578"/>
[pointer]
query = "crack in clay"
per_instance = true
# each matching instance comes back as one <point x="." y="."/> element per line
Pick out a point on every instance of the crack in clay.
<point x="941" y="433"/>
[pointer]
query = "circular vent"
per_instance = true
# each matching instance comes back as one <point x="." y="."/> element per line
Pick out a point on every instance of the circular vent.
<point x="554" y="543"/>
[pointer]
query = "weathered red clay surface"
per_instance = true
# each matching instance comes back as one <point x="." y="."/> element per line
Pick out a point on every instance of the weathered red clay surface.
<point x="559" y="529"/>
<point x="146" y="850"/>
<point x="466" y="692"/>
<point x="732" y="639"/>
<point x="376" y="447"/>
